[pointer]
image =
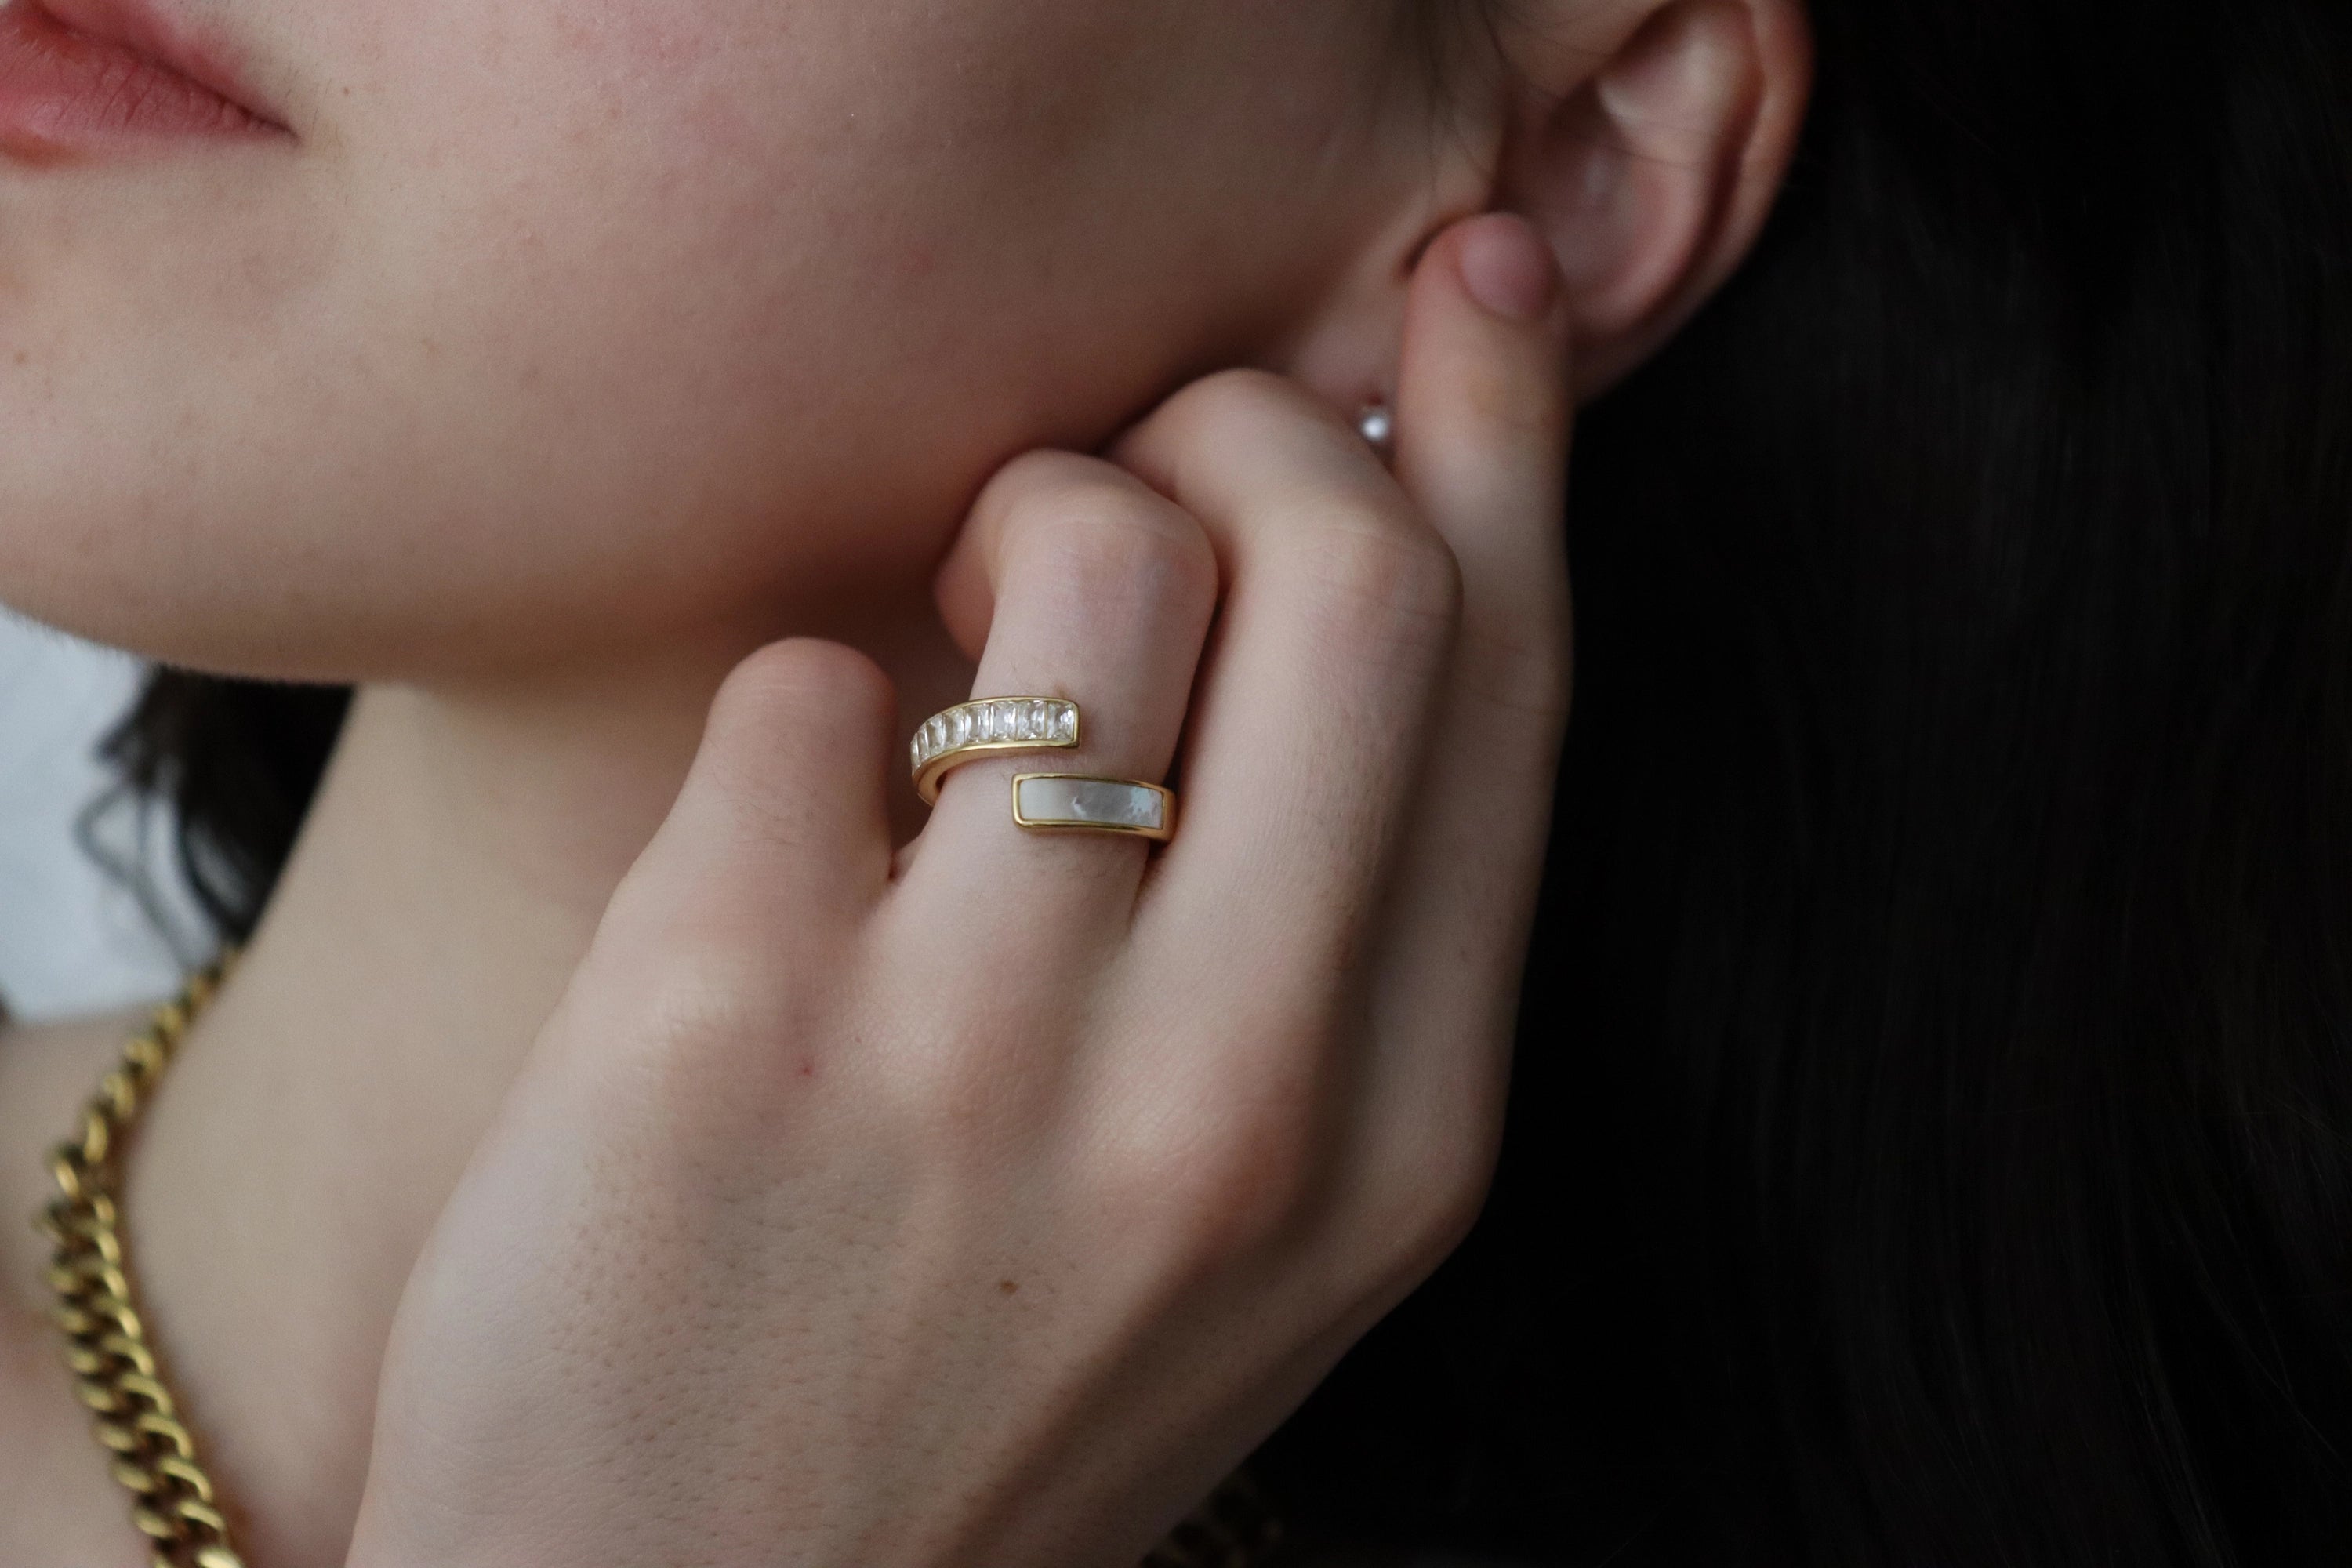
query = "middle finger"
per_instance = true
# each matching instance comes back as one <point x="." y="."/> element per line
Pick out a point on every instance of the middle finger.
<point x="1091" y="586"/>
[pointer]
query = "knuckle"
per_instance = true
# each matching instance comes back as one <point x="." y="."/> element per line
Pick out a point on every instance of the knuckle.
<point x="1429" y="1194"/>
<point x="756" y="782"/>
<point x="693" y="1030"/>
<point x="1529" y="672"/>
<point x="789" y="686"/>
<point x="1232" y="404"/>
<point x="967" y="1090"/>
<point x="1035" y="474"/>
<point x="1251" y="1195"/>
<point x="1432" y="1220"/>
<point x="696" y="1005"/>
<point x="1109" y="544"/>
<point x="1226" y="1181"/>
<point x="1377" y="581"/>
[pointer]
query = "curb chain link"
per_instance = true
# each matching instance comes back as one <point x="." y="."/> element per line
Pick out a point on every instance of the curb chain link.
<point x="135" y="1417"/>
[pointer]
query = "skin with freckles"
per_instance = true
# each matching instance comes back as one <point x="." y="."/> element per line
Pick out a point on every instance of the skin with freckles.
<point x="543" y="306"/>
<point x="656" y="407"/>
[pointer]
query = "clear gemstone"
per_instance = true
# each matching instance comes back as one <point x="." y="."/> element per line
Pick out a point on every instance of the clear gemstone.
<point x="1008" y="720"/>
<point x="936" y="732"/>
<point x="1038" y="722"/>
<point x="914" y="751"/>
<point x="1091" y="803"/>
<point x="960" y="727"/>
<point x="1066" y="723"/>
<point x="1025" y="722"/>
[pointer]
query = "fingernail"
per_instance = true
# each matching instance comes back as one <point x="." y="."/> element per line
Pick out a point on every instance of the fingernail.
<point x="1507" y="268"/>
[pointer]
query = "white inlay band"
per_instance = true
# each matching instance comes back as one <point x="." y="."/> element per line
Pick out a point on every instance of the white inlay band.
<point x="1073" y="802"/>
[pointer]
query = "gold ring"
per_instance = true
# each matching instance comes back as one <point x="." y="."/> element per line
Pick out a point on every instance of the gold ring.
<point x="970" y="730"/>
<point x="1079" y="803"/>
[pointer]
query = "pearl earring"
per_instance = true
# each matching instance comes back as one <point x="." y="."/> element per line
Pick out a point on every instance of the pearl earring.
<point x="1378" y="427"/>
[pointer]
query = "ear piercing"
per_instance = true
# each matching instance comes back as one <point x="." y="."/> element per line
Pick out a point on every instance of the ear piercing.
<point x="1377" y="426"/>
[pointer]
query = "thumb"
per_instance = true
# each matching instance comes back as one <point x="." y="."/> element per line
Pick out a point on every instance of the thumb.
<point x="1484" y="413"/>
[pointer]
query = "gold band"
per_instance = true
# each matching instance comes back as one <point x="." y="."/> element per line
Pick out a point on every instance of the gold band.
<point x="970" y="730"/>
<point x="1080" y="803"/>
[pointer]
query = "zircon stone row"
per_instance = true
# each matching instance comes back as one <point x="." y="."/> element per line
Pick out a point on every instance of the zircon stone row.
<point x="1005" y="721"/>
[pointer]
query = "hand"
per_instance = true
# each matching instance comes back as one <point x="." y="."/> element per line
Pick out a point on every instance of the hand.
<point x="985" y="1203"/>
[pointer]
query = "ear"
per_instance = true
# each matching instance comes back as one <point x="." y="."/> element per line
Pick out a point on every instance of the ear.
<point x="1646" y="138"/>
<point x="1653" y="173"/>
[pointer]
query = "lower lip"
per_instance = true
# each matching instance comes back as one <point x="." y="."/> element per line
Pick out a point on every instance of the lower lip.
<point x="63" y="93"/>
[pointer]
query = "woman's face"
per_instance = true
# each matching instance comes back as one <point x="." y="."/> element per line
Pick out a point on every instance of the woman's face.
<point x="552" y="325"/>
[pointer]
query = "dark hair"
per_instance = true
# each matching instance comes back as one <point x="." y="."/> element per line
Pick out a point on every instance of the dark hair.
<point x="1930" y="1142"/>
<point x="238" y="762"/>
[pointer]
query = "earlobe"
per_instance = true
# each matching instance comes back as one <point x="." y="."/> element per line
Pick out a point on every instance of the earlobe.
<point x="1652" y="174"/>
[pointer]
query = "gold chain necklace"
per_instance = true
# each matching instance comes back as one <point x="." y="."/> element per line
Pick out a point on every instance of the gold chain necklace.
<point x="139" y="1421"/>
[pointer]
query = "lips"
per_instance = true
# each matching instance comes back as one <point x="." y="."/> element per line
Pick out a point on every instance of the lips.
<point x="106" y="75"/>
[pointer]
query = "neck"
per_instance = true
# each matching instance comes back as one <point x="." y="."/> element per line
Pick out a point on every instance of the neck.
<point x="462" y="848"/>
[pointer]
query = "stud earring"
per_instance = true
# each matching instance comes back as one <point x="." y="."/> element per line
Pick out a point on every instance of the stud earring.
<point x="1377" y="425"/>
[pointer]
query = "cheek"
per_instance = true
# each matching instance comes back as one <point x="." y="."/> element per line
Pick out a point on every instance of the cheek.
<point x="727" y="299"/>
<point x="594" y="333"/>
<point x="601" y="320"/>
